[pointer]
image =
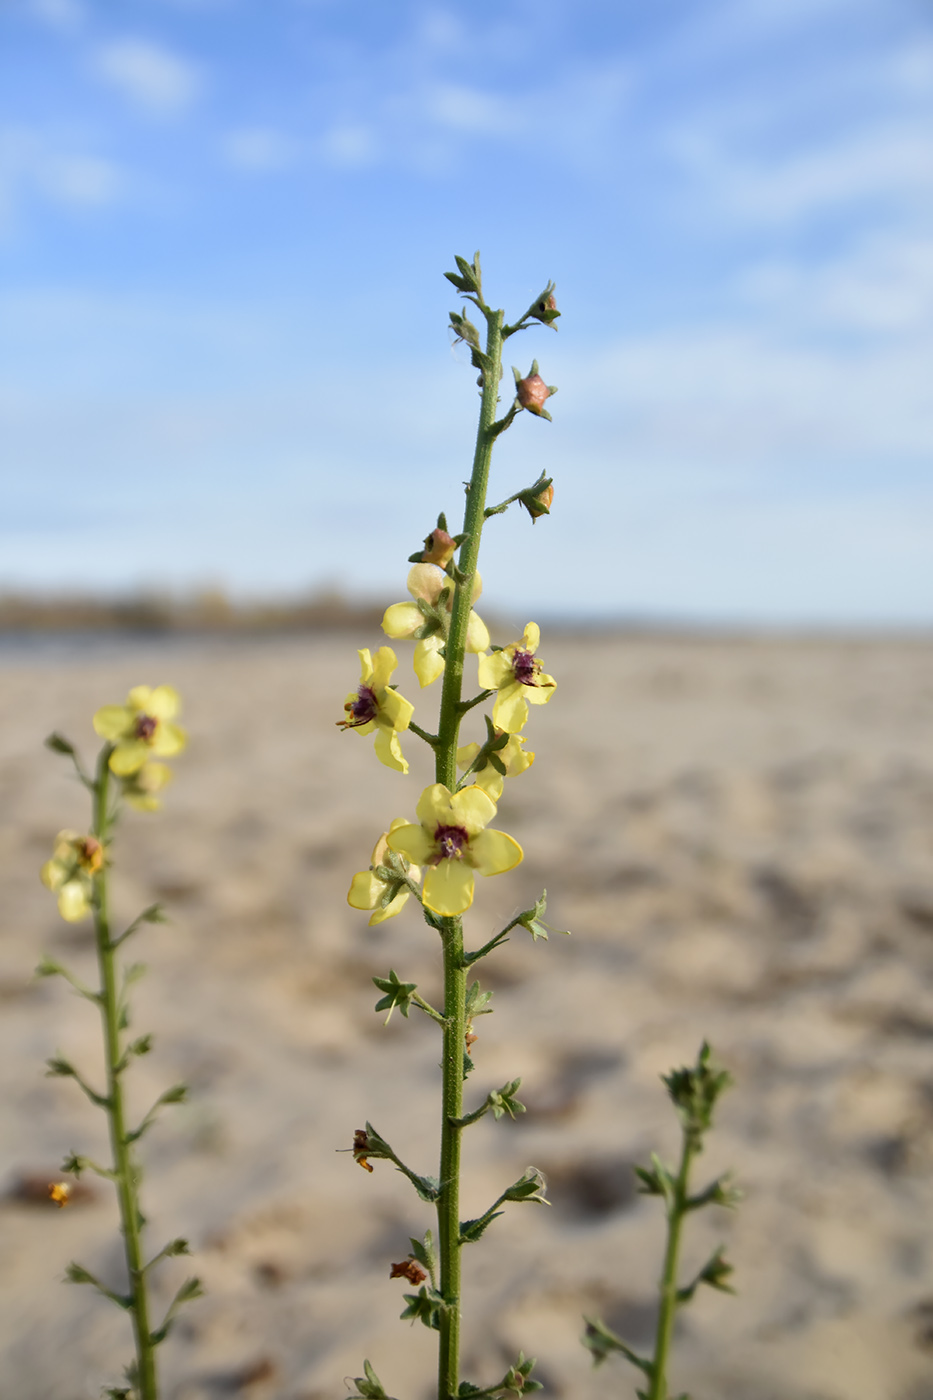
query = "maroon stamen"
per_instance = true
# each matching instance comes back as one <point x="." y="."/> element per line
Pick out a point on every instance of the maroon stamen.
<point x="145" y="727"/>
<point x="450" y="841"/>
<point x="524" y="667"/>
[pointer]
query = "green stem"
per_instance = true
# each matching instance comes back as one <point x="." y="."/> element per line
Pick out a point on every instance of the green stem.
<point x="126" y="1172"/>
<point x="676" y="1210"/>
<point x="451" y="712"/>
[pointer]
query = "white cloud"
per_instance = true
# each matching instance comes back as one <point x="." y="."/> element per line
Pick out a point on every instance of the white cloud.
<point x="883" y="285"/>
<point x="64" y="15"/>
<point x="259" y="149"/>
<point x="349" y="145"/>
<point x="467" y="109"/>
<point x="746" y="402"/>
<point x="35" y="162"/>
<point x="149" y="74"/>
<point x="880" y="163"/>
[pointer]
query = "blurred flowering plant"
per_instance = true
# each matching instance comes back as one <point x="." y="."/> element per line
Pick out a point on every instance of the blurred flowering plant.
<point x="78" y="873"/>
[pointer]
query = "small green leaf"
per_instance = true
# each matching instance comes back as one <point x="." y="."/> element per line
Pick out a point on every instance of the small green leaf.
<point x="397" y="993"/>
<point x="59" y="744"/>
<point x="59" y="1068"/>
<point x="77" y="1273"/>
<point x="602" y="1342"/>
<point x="427" y="1305"/>
<point x="428" y="1187"/>
<point x="504" y="1101"/>
<point x="425" y="1253"/>
<point x="369" y="1387"/>
<point x="477" y="1002"/>
<point x="177" y="1094"/>
<point x="473" y="1230"/>
<point x="530" y="1186"/>
<point x="532" y="919"/>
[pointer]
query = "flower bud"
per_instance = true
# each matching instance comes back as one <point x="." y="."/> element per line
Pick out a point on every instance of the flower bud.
<point x="532" y="393"/>
<point x="438" y="548"/>
<point x="539" y="504"/>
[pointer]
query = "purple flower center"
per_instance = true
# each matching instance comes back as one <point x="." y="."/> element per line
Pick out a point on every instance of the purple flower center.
<point x="145" y="727"/>
<point x="365" y="707"/>
<point x="524" y="667"/>
<point x="450" y="841"/>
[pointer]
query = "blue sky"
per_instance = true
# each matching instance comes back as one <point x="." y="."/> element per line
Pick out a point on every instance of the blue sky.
<point x="223" y="347"/>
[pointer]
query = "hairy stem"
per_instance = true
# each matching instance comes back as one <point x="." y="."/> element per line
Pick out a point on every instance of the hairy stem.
<point x="451" y="712"/>
<point x="125" y="1169"/>
<point x="676" y="1210"/>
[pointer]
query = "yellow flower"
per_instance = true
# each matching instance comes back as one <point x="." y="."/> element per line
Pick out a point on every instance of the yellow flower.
<point x="70" y="873"/>
<point x="60" y="1192"/>
<point x="374" y="705"/>
<point x="141" y="728"/>
<point x="453" y="842"/>
<point x="140" y="788"/>
<point x="512" y="756"/>
<point x="368" y="888"/>
<point x="427" y="619"/>
<point x="517" y="675"/>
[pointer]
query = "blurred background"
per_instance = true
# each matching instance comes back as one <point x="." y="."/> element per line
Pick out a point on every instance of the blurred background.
<point x="223" y="356"/>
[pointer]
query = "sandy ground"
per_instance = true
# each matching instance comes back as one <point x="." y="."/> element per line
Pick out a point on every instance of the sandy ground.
<point x="739" y="834"/>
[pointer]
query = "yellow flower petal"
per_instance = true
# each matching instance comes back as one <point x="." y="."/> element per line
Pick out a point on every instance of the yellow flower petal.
<point x="428" y="664"/>
<point x="473" y="809"/>
<point x="515" y="756"/>
<point x="493" y="852"/>
<point x="531" y="639"/>
<point x="448" y="887"/>
<point x="490" y="781"/>
<point x="365" y="890"/>
<point x="113" y="721"/>
<point x="73" y="902"/>
<point x="412" y="842"/>
<point x="396" y="709"/>
<point x="163" y="703"/>
<point x="366" y="666"/>
<point x="466" y="755"/>
<point x="389" y="750"/>
<point x="168" y="739"/>
<point x="52" y="874"/>
<point x="382" y="667"/>
<point x="494" y="670"/>
<point x="510" y="711"/>
<point x="477" y="637"/>
<point x="402" y="620"/>
<point x="142" y="801"/>
<point x="538" y="694"/>
<point x="128" y="757"/>
<point x="138" y="698"/>
<point x="395" y="906"/>
<point x="434" y="808"/>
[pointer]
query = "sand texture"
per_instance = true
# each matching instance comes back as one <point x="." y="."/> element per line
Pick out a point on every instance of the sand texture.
<point x="739" y="834"/>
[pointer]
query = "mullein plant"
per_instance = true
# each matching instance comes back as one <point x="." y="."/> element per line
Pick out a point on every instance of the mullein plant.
<point x="435" y="859"/>
<point x="137" y="736"/>
<point x="694" y="1092"/>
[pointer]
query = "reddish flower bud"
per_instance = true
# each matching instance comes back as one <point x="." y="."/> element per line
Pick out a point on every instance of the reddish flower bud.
<point x="539" y="504"/>
<point x="532" y="393"/>
<point x="438" y="548"/>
